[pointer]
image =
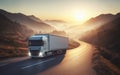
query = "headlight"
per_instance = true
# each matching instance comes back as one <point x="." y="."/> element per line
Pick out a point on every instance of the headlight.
<point x="40" y="54"/>
<point x="29" y="54"/>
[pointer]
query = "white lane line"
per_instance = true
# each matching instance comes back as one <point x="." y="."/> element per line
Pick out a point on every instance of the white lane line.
<point x="12" y="60"/>
<point x="3" y="64"/>
<point x="37" y="63"/>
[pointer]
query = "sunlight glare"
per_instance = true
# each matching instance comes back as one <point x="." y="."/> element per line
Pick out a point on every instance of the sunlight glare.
<point x="79" y="16"/>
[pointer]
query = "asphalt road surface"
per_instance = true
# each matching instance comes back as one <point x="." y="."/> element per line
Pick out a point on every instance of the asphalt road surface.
<point x="76" y="61"/>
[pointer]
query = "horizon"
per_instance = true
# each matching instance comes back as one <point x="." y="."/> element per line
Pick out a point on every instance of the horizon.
<point x="76" y="12"/>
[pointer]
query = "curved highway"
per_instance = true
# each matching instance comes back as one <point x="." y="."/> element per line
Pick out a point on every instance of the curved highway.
<point x="76" y="61"/>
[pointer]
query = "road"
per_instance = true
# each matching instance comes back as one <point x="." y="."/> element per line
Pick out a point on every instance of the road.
<point x="76" y="61"/>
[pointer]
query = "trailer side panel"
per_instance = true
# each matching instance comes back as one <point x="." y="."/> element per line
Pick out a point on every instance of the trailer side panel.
<point x="57" y="42"/>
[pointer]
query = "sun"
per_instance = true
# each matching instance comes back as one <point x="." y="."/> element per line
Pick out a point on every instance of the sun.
<point x="79" y="16"/>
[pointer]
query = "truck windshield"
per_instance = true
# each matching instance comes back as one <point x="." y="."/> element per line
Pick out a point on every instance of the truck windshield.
<point x="36" y="43"/>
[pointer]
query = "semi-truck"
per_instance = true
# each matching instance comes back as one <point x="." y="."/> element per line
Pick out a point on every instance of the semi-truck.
<point x="43" y="45"/>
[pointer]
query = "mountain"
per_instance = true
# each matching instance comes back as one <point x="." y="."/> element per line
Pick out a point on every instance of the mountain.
<point x="7" y="26"/>
<point x="105" y="34"/>
<point x="30" y="21"/>
<point x="107" y="40"/>
<point x="110" y="34"/>
<point x="34" y="18"/>
<point x="13" y="37"/>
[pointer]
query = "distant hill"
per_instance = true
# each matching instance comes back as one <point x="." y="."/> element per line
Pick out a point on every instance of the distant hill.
<point x="56" y="21"/>
<point x="59" y="33"/>
<point x="13" y="37"/>
<point x="35" y="18"/>
<point x="101" y="19"/>
<point x="30" y="21"/>
<point x="57" y="24"/>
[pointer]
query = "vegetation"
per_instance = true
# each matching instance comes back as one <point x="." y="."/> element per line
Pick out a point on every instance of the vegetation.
<point x="13" y="38"/>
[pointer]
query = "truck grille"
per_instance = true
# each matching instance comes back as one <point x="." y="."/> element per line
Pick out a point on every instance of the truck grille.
<point x="35" y="52"/>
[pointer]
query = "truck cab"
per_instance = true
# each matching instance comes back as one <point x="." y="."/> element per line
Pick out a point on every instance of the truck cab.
<point x="37" y="45"/>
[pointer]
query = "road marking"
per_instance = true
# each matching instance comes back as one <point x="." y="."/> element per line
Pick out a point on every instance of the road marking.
<point x="37" y="63"/>
<point x="11" y="60"/>
<point x="3" y="64"/>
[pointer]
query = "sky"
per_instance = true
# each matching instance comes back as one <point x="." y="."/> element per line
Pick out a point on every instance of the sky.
<point x="73" y="11"/>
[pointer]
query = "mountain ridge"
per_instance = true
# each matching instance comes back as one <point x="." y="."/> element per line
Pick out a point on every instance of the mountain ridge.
<point x="26" y="20"/>
<point x="102" y="19"/>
